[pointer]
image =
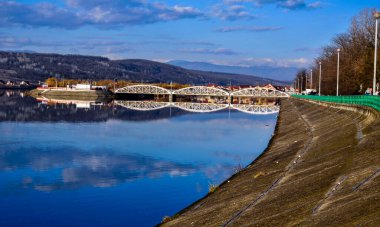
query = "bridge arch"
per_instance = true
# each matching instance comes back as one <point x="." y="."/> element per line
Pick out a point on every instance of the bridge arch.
<point x="201" y="90"/>
<point x="256" y="109"/>
<point x="143" y="89"/>
<point x="143" y="105"/>
<point x="200" y="107"/>
<point x="259" y="92"/>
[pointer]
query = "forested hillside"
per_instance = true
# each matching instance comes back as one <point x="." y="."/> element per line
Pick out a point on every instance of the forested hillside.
<point x="36" y="67"/>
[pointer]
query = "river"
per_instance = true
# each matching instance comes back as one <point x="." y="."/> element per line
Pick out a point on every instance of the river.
<point x="103" y="164"/>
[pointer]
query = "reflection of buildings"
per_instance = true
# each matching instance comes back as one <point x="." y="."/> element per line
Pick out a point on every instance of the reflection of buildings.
<point x="80" y="104"/>
<point x="10" y="93"/>
<point x="28" y="109"/>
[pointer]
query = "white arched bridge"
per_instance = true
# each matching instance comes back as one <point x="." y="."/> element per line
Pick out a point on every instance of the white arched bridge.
<point x="202" y="91"/>
<point x="198" y="107"/>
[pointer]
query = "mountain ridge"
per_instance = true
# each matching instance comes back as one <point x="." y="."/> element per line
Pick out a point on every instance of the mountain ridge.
<point x="36" y="67"/>
<point x="270" y="72"/>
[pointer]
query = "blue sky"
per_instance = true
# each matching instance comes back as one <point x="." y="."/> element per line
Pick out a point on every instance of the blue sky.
<point x="230" y="32"/>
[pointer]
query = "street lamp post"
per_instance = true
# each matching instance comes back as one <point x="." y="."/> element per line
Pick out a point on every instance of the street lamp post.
<point x="298" y="81"/>
<point x="311" y="79"/>
<point x="337" y="74"/>
<point x="320" y="78"/>
<point x="301" y="84"/>
<point x="377" y="17"/>
<point x="306" y="78"/>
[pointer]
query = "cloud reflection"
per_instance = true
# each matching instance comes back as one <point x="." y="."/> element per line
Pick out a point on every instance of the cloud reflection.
<point x="78" y="168"/>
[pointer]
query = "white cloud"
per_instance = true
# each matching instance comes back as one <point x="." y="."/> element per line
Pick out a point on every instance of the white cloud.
<point x="296" y="62"/>
<point x="232" y="12"/>
<point x="162" y="60"/>
<point x="286" y="4"/>
<point x="217" y="51"/>
<point x="102" y="13"/>
<point x="249" y="62"/>
<point x="248" y="29"/>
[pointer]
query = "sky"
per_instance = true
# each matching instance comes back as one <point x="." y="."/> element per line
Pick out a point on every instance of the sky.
<point x="279" y="33"/>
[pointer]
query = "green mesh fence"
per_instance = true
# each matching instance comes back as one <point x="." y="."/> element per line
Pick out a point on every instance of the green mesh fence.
<point x="363" y="100"/>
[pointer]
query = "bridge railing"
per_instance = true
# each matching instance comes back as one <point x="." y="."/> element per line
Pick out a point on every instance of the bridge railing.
<point x="361" y="100"/>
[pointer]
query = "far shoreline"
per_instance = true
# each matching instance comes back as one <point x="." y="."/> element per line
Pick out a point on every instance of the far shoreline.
<point x="91" y="95"/>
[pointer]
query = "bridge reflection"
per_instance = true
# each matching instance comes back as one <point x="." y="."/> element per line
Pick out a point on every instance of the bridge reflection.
<point x="198" y="107"/>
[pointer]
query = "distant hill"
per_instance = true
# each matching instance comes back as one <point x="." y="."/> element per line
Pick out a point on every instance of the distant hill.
<point x="275" y="73"/>
<point x="36" y="67"/>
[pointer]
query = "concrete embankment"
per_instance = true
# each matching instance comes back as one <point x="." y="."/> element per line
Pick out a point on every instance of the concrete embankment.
<point x="71" y="94"/>
<point x="322" y="168"/>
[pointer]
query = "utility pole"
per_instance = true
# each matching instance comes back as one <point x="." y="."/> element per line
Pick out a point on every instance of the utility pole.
<point x="320" y="78"/>
<point x="298" y="81"/>
<point x="306" y="80"/>
<point x="337" y="74"/>
<point x="377" y="17"/>
<point x="311" y="79"/>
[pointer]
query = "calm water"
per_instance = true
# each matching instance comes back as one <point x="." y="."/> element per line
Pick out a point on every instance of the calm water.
<point x="109" y="166"/>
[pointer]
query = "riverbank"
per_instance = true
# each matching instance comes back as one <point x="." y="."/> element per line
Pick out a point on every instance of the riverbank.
<point x="322" y="168"/>
<point x="71" y="94"/>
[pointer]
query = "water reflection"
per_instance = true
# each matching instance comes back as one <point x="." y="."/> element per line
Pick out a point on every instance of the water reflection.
<point x="27" y="109"/>
<point x="18" y="107"/>
<point x="199" y="107"/>
<point x="74" y="168"/>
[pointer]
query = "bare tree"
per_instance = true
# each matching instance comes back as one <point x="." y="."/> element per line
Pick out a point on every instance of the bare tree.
<point x="356" y="62"/>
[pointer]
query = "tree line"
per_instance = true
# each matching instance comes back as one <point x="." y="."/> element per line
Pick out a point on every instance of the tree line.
<point x="56" y="82"/>
<point x="357" y="47"/>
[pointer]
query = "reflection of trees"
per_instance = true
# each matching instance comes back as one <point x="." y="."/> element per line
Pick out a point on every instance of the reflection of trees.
<point x="16" y="108"/>
<point x="79" y="168"/>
